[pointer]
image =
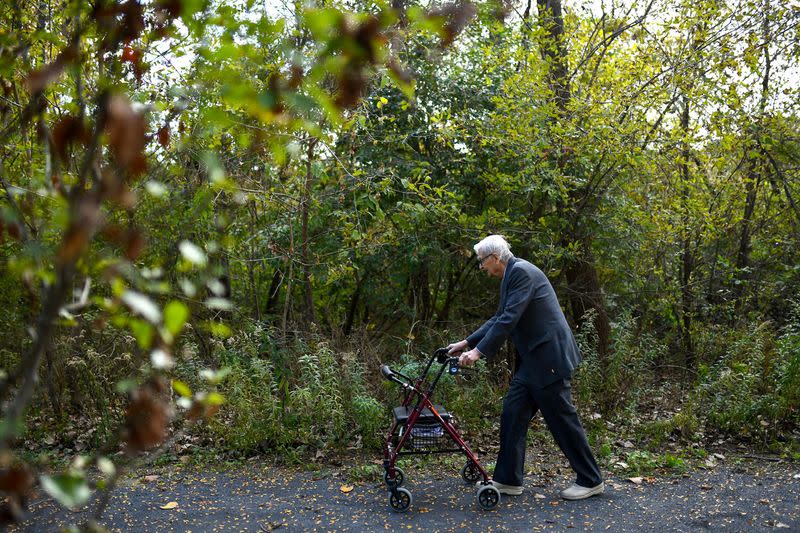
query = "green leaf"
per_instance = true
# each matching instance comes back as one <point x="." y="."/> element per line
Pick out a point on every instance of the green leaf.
<point x="218" y="329"/>
<point x="220" y="304"/>
<point x="143" y="332"/>
<point x="181" y="388"/>
<point x="69" y="489"/>
<point x="214" y="398"/>
<point x="106" y="466"/>
<point x="126" y="385"/>
<point x="214" y="377"/>
<point x="193" y="253"/>
<point x="175" y="315"/>
<point x="322" y="22"/>
<point x="143" y="305"/>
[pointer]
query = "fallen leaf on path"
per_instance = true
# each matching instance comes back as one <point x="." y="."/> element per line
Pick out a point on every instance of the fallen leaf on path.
<point x="170" y="505"/>
<point x="150" y="478"/>
<point x="781" y="525"/>
<point x="346" y="488"/>
<point x="636" y="480"/>
<point x="706" y="487"/>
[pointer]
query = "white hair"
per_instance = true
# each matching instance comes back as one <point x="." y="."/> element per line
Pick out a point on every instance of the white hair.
<point x="494" y="244"/>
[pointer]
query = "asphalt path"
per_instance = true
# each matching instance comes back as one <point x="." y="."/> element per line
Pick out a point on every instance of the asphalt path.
<point x="738" y="495"/>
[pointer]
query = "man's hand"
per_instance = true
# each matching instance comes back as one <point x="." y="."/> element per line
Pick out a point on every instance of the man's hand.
<point x="457" y="347"/>
<point x="469" y="358"/>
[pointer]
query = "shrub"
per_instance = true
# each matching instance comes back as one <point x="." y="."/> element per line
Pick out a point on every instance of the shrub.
<point x="752" y="388"/>
<point x="620" y="380"/>
<point x="300" y="398"/>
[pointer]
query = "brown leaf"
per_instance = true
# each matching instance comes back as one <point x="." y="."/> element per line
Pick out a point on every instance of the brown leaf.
<point x="368" y="38"/>
<point x="37" y="80"/>
<point x="113" y="233"/>
<point x="502" y="10"/>
<point x="127" y="138"/>
<point x="131" y="54"/>
<point x="75" y="240"/>
<point x="456" y="17"/>
<point x="296" y="77"/>
<point x="163" y="136"/>
<point x="130" y="240"/>
<point x="169" y="505"/>
<point x="346" y="488"/>
<point x="399" y="72"/>
<point x="351" y="85"/>
<point x="275" y="83"/>
<point x="112" y="188"/>
<point x="68" y="131"/>
<point x="171" y="7"/>
<point x="134" y="244"/>
<point x="15" y="231"/>
<point x="139" y="69"/>
<point x="200" y="410"/>
<point x="132" y="23"/>
<point x="146" y="417"/>
<point x="16" y="480"/>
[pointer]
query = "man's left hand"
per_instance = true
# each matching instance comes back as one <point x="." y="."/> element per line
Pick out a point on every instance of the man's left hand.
<point x="469" y="358"/>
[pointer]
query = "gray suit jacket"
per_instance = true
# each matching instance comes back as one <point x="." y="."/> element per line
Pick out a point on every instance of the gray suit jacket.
<point x="529" y="312"/>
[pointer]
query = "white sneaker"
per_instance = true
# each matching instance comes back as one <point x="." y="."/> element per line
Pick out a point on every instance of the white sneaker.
<point x="510" y="490"/>
<point x="576" y="492"/>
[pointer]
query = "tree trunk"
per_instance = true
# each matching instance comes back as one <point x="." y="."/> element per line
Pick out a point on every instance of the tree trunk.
<point x="584" y="284"/>
<point x="274" y="286"/>
<point x="757" y="165"/>
<point x="308" y="294"/>
<point x="353" y="307"/>
<point x="687" y="258"/>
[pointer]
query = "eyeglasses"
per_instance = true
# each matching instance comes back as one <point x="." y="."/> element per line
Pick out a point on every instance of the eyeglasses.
<point x="482" y="259"/>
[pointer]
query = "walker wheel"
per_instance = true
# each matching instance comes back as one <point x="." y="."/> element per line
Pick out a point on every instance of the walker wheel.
<point x="399" y="478"/>
<point x="470" y="473"/>
<point x="400" y="500"/>
<point x="488" y="497"/>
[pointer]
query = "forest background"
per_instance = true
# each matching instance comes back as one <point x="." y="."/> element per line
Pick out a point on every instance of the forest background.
<point x="217" y="219"/>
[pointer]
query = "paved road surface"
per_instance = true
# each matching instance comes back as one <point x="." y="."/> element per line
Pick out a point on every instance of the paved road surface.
<point x="750" y="496"/>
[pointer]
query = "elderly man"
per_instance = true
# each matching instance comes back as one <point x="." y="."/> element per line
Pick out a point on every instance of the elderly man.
<point x="530" y="314"/>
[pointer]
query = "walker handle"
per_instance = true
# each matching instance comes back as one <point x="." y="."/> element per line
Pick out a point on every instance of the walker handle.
<point x="441" y="356"/>
<point x="389" y="375"/>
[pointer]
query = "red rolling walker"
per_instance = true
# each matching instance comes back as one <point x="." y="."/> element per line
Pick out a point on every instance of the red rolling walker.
<point x="420" y="428"/>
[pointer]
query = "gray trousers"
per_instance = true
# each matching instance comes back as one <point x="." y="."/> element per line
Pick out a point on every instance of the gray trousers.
<point x="555" y="403"/>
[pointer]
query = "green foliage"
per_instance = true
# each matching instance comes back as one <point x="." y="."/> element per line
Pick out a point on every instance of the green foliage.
<point x="69" y="489"/>
<point x="307" y="398"/>
<point x="620" y="380"/>
<point x="751" y="388"/>
<point x="293" y="206"/>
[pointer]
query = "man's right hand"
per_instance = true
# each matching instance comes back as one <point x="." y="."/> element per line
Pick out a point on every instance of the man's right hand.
<point x="457" y="347"/>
